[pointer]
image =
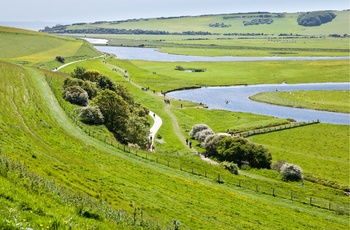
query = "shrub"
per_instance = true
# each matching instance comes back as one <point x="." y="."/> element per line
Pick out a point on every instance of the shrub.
<point x="76" y="95"/>
<point x="91" y="115"/>
<point x="88" y="86"/>
<point x="232" y="167"/>
<point x="278" y="165"/>
<point x="201" y="135"/>
<point x="60" y="59"/>
<point x="197" y="128"/>
<point x="211" y="143"/>
<point x="291" y="172"/>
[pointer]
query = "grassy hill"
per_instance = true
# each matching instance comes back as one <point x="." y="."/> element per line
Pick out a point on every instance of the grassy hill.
<point x="55" y="174"/>
<point x="286" y="24"/>
<point x="34" y="48"/>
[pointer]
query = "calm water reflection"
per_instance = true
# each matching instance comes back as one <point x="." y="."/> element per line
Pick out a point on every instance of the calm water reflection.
<point x="151" y="54"/>
<point x="238" y="100"/>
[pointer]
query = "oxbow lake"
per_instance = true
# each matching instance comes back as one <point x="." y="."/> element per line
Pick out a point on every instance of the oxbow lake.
<point x="236" y="98"/>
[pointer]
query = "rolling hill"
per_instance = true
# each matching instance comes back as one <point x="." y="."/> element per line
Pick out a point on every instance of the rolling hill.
<point x="54" y="174"/>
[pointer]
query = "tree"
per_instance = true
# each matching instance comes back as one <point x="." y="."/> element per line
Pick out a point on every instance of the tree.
<point x="115" y="112"/>
<point x="211" y="143"/>
<point x="78" y="73"/>
<point x="315" y="18"/>
<point x="138" y="129"/>
<point x="104" y="82"/>
<point x="241" y="151"/>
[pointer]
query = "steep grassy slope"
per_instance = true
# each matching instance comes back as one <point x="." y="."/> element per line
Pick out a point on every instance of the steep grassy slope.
<point x="36" y="131"/>
<point x="29" y="47"/>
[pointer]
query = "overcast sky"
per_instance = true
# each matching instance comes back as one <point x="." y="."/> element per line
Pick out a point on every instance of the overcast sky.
<point x="111" y="10"/>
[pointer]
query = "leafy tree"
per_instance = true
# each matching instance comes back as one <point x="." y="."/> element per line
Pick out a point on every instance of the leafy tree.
<point x="291" y="172"/>
<point x="76" y="95"/>
<point x="88" y="86"/>
<point x="78" y="73"/>
<point x="211" y="143"/>
<point x="115" y="112"/>
<point x="104" y="82"/>
<point x="91" y="115"/>
<point x="241" y="151"/>
<point x="91" y="75"/>
<point x="138" y="129"/>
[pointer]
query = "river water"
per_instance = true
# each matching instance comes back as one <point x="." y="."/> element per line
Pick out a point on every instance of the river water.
<point x="151" y="54"/>
<point x="238" y="96"/>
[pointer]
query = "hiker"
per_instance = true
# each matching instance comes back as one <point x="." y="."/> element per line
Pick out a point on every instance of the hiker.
<point x="186" y="141"/>
<point x="190" y="144"/>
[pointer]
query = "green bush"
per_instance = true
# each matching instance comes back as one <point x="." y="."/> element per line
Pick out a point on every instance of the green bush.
<point x="232" y="167"/>
<point x="91" y="115"/>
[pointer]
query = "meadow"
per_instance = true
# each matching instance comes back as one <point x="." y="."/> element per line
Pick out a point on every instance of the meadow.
<point x="334" y="101"/>
<point x="59" y="173"/>
<point x="37" y="133"/>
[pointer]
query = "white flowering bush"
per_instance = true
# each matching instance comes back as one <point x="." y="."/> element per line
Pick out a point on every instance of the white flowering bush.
<point x="291" y="172"/>
<point x="197" y="128"/>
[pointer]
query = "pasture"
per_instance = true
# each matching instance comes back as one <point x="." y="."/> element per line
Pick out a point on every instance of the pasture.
<point x="334" y="101"/>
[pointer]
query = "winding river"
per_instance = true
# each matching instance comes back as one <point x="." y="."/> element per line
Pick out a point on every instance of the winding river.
<point x="238" y="96"/>
<point x="151" y="54"/>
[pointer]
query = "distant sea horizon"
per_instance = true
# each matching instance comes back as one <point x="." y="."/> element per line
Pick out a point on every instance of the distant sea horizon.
<point x="36" y="26"/>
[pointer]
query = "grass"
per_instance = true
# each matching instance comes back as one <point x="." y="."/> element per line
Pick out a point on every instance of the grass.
<point x="235" y="73"/>
<point x="153" y="190"/>
<point x="321" y="150"/>
<point x="41" y="49"/>
<point x="335" y="101"/>
<point x="286" y="25"/>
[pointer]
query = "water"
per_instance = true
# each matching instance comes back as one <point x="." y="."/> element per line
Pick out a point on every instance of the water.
<point x="36" y="26"/>
<point x="96" y="41"/>
<point x="238" y="101"/>
<point x="151" y="54"/>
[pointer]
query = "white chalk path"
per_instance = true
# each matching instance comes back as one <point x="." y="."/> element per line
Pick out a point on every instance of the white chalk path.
<point x="156" y="125"/>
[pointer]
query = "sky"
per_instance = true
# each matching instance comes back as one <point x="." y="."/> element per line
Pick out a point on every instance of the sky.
<point x="74" y="11"/>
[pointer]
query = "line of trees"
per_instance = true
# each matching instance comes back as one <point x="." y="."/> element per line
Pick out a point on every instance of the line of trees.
<point x="104" y="102"/>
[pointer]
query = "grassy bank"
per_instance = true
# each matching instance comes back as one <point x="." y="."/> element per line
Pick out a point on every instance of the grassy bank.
<point x="334" y="101"/>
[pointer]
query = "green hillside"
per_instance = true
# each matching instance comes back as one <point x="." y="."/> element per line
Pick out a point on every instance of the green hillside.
<point x="57" y="173"/>
<point x="33" y="48"/>
<point x="282" y="23"/>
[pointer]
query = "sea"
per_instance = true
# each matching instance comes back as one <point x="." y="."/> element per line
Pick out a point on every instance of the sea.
<point x="36" y="26"/>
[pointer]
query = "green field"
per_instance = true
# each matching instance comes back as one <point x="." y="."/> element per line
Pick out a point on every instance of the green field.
<point x="57" y="173"/>
<point x="335" y="101"/>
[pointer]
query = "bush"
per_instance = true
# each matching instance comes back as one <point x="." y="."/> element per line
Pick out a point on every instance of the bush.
<point x="197" y="128"/>
<point x="88" y="86"/>
<point x="91" y="115"/>
<point x="278" y="165"/>
<point x="60" y="59"/>
<point x="291" y="172"/>
<point x="76" y="95"/>
<point x="201" y="135"/>
<point x="211" y="143"/>
<point x="316" y="18"/>
<point x="232" y="167"/>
